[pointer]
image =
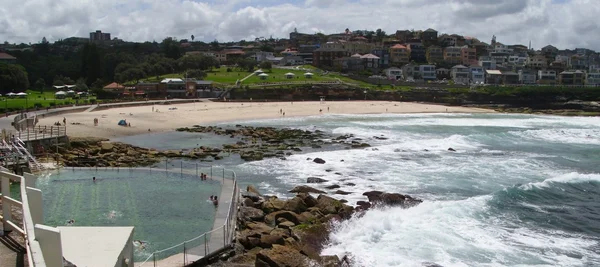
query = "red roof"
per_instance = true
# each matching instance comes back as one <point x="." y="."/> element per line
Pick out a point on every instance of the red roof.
<point x="398" y="46"/>
<point x="114" y="86"/>
<point x="6" y="56"/>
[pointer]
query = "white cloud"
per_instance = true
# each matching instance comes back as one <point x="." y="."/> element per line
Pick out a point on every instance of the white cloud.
<point x="565" y="24"/>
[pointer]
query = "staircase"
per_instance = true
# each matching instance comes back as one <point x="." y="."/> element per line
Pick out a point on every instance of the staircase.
<point x="34" y="165"/>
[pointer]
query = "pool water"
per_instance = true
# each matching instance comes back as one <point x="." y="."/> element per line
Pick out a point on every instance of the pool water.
<point x="166" y="208"/>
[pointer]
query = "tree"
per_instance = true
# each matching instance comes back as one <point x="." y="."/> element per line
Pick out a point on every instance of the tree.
<point x="247" y="64"/>
<point x="196" y="74"/>
<point x="80" y="85"/>
<point x="91" y="65"/>
<point x="171" y="48"/>
<point x="380" y="34"/>
<point x="13" y="77"/>
<point x="192" y="37"/>
<point x="40" y="84"/>
<point x="267" y="65"/>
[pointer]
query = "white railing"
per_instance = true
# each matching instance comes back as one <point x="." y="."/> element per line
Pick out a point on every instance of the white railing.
<point x="34" y="250"/>
<point x="33" y="161"/>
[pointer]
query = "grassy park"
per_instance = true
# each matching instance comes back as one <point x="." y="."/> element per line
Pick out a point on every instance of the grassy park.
<point x="37" y="99"/>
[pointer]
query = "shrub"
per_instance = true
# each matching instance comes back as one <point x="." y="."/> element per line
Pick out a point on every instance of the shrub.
<point x="93" y="101"/>
<point x="37" y="105"/>
<point x="52" y="104"/>
<point x="229" y="70"/>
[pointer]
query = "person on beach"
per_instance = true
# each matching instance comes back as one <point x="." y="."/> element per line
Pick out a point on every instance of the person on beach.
<point x="215" y="201"/>
<point x="212" y="197"/>
<point x="64" y="120"/>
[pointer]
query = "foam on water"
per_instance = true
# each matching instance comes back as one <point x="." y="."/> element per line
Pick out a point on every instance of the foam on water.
<point x="513" y="194"/>
<point x="452" y="233"/>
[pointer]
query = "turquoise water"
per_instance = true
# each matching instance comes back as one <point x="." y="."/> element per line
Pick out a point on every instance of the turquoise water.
<point x="166" y="208"/>
<point x="520" y="190"/>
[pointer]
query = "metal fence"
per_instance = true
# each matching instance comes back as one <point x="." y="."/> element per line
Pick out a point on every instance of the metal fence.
<point x="37" y="132"/>
<point x="208" y="243"/>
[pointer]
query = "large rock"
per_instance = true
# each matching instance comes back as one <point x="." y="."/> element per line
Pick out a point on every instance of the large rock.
<point x="391" y="199"/>
<point x="251" y="195"/>
<point x="282" y="256"/>
<point x="271" y="218"/>
<point x="273" y="204"/>
<point x="267" y="241"/>
<point x="106" y="147"/>
<point x="296" y="205"/>
<point x="252" y="189"/>
<point x="309" y="200"/>
<point x="328" y="205"/>
<point x="319" y="161"/>
<point x="250" y="214"/>
<point x="315" y="180"/>
<point x="306" y="189"/>
<point x="259" y="227"/>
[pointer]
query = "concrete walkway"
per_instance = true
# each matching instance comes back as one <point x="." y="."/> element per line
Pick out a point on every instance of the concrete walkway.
<point x="216" y="239"/>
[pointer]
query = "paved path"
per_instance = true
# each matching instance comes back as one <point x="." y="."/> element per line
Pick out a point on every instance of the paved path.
<point x="216" y="238"/>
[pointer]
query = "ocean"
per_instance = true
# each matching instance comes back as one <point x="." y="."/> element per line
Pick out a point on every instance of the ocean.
<point x="519" y="190"/>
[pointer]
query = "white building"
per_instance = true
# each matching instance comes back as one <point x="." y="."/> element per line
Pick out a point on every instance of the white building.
<point x="460" y="74"/>
<point x="517" y="60"/>
<point x="564" y="59"/>
<point x="487" y="63"/>
<point x="592" y="78"/>
<point x="527" y="77"/>
<point x="546" y="76"/>
<point x="428" y="72"/>
<point x="477" y="74"/>
<point x="263" y="56"/>
<point x="393" y="73"/>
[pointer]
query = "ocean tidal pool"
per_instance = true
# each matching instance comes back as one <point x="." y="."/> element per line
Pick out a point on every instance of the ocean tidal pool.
<point x="166" y="208"/>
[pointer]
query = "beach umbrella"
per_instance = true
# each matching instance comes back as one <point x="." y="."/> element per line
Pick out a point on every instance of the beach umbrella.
<point x="258" y="71"/>
<point x="21" y="94"/>
<point x="60" y="93"/>
<point x="308" y="75"/>
<point x="289" y="75"/>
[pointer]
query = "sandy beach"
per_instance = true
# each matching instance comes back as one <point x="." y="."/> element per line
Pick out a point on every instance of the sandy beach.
<point x="169" y="117"/>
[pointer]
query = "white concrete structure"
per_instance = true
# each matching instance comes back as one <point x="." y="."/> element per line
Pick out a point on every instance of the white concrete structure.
<point x="46" y="246"/>
<point x="263" y="56"/>
<point x="546" y="76"/>
<point x="101" y="247"/>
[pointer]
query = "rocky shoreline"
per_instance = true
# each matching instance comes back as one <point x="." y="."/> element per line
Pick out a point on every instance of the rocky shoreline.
<point x="272" y="232"/>
<point x="256" y="143"/>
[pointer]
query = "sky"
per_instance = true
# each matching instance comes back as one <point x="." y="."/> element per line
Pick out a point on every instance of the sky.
<point x="562" y="23"/>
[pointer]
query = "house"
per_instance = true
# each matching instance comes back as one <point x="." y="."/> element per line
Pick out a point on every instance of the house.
<point x="325" y="57"/>
<point x="510" y="77"/>
<point x="411" y="71"/>
<point x="233" y="54"/>
<point x="566" y="60"/>
<point x="384" y="57"/>
<point x="446" y="40"/>
<point x="517" y="60"/>
<point x="403" y="36"/>
<point x="149" y="89"/>
<point x="292" y="61"/>
<point x="592" y="79"/>
<point x="173" y="87"/>
<point x="493" y="76"/>
<point x="262" y="56"/>
<point x="571" y="77"/>
<point x="469" y="55"/>
<point x="429" y="35"/>
<point x="546" y="77"/>
<point x="579" y="62"/>
<point x="487" y="63"/>
<point x="434" y="54"/>
<point x="359" y="47"/>
<point x="349" y="64"/>
<point x="6" y="58"/>
<point x="442" y="73"/>
<point x="427" y="72"/>
<point x="417" y="52"/>
<point x="275" y="60"/>
<point x="370" y="61"/>
<point x="460" y="74"/>
<point x="537" y="62"/>
<point x="527" y="76"/>
<point x="453" y="55"/>
<point x="594" y="68"/>
<point x="399" y="55"/>
<point x="393" y="73"/>
<point x="477" y="74"/>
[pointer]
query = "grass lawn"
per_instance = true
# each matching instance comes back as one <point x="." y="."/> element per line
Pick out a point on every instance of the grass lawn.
<point x="45" y="99"/>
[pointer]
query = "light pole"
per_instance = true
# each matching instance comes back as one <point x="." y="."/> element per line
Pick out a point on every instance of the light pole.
<point x="365" y="94"/>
